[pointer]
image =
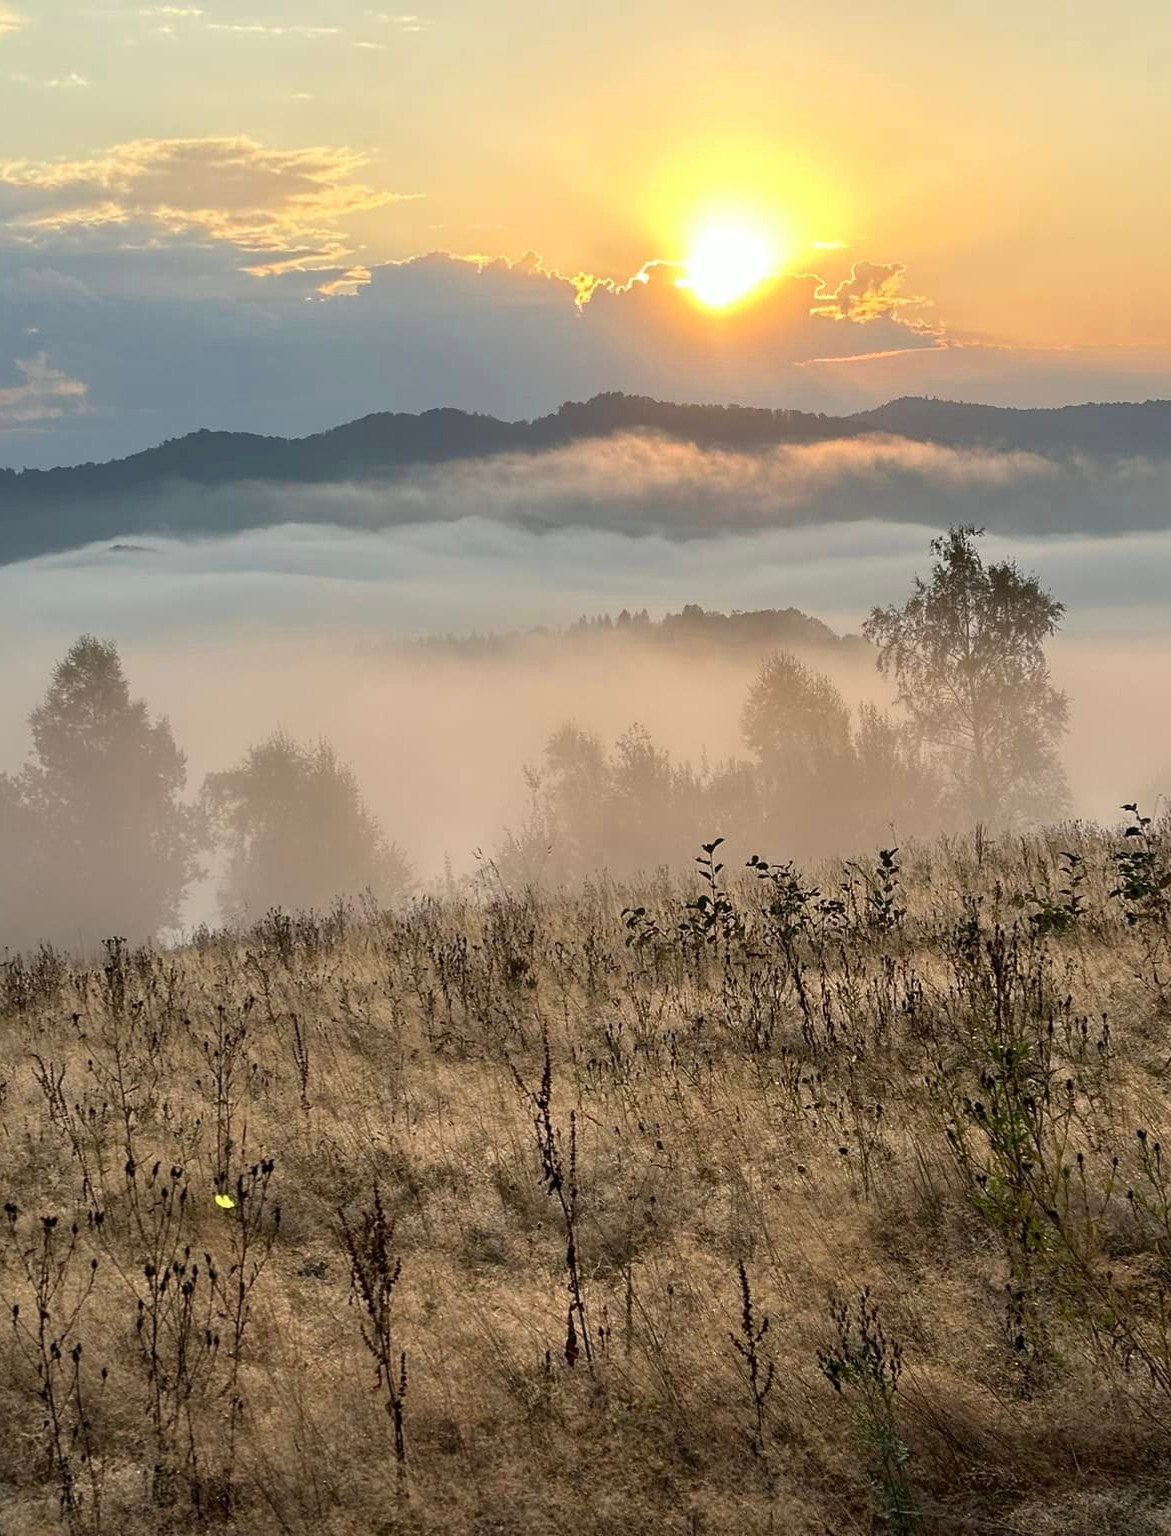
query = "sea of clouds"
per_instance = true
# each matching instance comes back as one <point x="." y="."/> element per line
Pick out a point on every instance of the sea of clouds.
<point x="289" y="625"/>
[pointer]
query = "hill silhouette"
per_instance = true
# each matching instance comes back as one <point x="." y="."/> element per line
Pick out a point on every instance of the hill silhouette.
<point x="46" y="510"/>
<point x="692" y="630"/>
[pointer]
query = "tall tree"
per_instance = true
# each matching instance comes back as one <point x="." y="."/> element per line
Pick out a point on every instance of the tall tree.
<point x="967" y="652"/>
<point x="797" y="726"/>
<point x="297" y="833"/>
<point x="97" y="839"/>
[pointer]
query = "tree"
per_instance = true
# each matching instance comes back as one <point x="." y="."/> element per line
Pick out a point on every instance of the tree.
<point x="898" y="792"/>
<point x="795" y="720"/>
<point x="96" y="838"/>
<point x="967" y="652"/>
<point x="297" y="833"/>
<point x="797" y="726"/>
<point x="629" y="809"/>
<point x="827" y="782"/>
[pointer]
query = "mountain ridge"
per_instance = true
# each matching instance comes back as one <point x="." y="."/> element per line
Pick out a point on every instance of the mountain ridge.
<point x="42" y="510"/>
<point x="1145" y="425"/>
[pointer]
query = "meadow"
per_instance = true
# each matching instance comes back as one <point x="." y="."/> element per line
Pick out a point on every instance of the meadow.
<point x="755" y="1201"/>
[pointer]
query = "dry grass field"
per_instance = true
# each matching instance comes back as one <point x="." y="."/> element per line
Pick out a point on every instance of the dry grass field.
<point x="605" y="1212"/>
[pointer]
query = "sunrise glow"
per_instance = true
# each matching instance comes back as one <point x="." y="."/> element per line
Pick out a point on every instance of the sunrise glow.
<point x="727" y="263"/>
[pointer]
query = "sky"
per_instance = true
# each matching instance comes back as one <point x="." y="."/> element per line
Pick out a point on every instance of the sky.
<point x="278" y="217"/>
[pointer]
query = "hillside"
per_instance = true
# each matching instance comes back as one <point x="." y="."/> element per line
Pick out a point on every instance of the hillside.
<point x="46" y="510"/>
<point x="693" y="630"/>
<point x="767" y="1212"/>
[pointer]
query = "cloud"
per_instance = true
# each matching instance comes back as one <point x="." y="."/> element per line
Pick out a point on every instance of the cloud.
<point x="271" y="29"/>
<point x="348" y="283"/>
<point x="873" y="291"/>
<point x="434" y="578"/>
<point x="41" y="285"/>
<point x="284" y="207"/>
<point x="510" y="338"/>
<point x="399" y="23"/>
<point x="645" y="485"/>
<point x="10" y="21"/>
<point x="206" y="250"/>
<point x="168" y="19"/>
<point x="46" y="393"/>
<point x="70" y="82"/>
<point x="117" y="304"/>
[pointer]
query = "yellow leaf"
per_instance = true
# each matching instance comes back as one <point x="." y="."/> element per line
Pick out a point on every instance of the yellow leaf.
<point x="225" y="1202"/>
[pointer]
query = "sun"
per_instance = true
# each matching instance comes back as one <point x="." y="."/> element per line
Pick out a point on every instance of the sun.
<point x="726" y="263"/>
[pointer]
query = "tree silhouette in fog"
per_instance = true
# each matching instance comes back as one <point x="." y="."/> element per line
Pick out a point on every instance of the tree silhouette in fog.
<point x="967" y="651"/>
<point x="825" y="782"/>
<point x="896" y="789"/>
<point x="296" y="832"/>
<point x="797" y="726"/>
<point x="96" y="838"/>
<point x="626" y="809"/>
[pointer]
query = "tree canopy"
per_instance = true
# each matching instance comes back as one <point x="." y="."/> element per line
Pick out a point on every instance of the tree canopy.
<point x="967" y="653"/>
<point x="828" y="782"/>
<point x="97" y="840"/>
<point x="296" y="831"/>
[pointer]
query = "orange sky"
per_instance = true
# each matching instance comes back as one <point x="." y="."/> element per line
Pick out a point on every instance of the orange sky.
<point x="1013" y="156"/>
<point x="1009" y="159"/>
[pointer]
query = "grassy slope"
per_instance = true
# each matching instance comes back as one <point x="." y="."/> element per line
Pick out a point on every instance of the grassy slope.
<point x="718" y="1118"/>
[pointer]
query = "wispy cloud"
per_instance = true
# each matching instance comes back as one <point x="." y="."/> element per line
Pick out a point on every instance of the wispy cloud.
<point x="70" y="82"/>
<point x="271" y="29"/>
<point x="399" y="23"/>
<point x="170" y="19"/>
<point x="873" y="291"/>
<point x="283" y="207"/>
<point x="346" y="285"/>
<point x="652" y="486"/>
<point x="10" y="21"/>
<point x="44" y="394"/>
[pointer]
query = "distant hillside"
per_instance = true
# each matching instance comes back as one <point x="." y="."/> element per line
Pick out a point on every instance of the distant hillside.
<point x="693" y="630"/>
<point x="45" y="510"/>
<point x="1111" y="431"/>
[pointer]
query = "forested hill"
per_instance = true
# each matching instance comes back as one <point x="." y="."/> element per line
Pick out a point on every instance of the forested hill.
<point x="43" y="510"/>
<point x="693" y="630"/>
<point x="1111" y="431"/>
<point x="389" y="440"/>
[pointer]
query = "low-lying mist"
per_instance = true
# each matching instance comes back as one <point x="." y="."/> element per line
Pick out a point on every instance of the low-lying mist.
<point x="300" y="627"/>
<point x="642" y="481"/>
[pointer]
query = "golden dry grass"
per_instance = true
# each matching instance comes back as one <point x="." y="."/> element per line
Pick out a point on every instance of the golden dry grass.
<point x="862" y="1104"/>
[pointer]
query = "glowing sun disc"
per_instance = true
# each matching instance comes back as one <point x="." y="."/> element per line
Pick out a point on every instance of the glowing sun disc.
<point x="726" y="264"/>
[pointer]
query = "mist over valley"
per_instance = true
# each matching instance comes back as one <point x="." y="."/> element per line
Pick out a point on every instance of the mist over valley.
<point x="585" y="769"/>
<point x="323" y="613"/>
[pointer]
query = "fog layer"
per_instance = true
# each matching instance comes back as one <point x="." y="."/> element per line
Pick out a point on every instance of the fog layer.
<point x="628" y="482"/>
<point x="293" y="627"/>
